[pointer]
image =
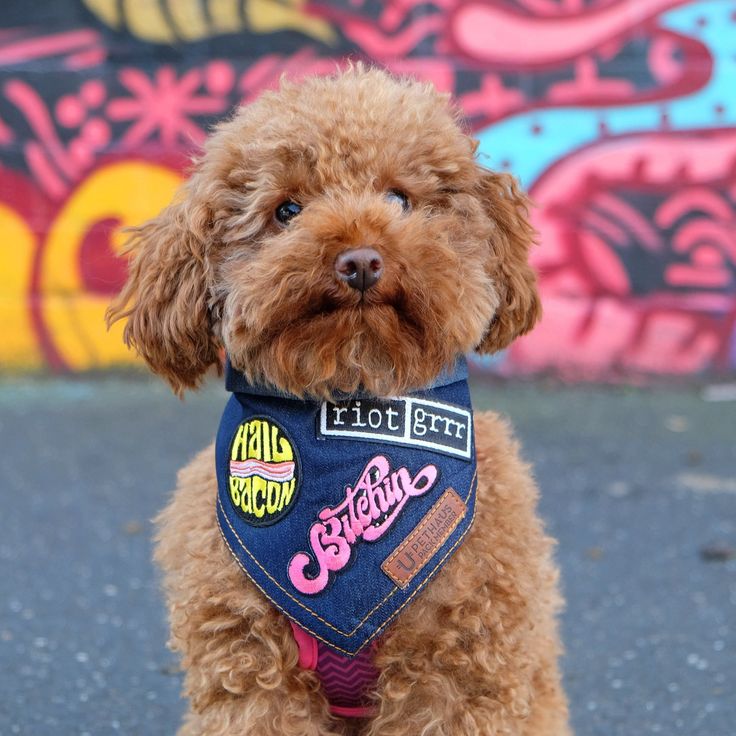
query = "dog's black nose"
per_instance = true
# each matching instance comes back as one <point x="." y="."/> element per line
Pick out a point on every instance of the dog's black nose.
<point x="359" y="268"/>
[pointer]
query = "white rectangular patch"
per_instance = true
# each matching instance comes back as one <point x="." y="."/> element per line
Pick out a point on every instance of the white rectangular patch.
<point x="408" y="421"/>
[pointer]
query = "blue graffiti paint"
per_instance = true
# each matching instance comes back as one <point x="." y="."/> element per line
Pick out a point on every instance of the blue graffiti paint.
<point x="531" y="142"/>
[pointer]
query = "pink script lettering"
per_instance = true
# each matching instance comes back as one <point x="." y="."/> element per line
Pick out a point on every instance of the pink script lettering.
<point x="370" y="507"/>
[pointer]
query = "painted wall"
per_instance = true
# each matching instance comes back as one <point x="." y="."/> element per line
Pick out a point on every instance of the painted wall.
<point x="618" y="115"/>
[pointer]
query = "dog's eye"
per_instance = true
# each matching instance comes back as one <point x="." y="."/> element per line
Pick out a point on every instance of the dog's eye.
<point x="396" y="195"/>
<point x="286" y="211"/>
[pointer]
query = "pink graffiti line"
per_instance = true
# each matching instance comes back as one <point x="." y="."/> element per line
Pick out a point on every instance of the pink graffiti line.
<point x="266" y="72"/>
<point x="87" y="58"/>
<point x="54" y="44"/>
<point x="43" y="170"/>
<point x="50" y="158"/>
<point x="380" y="46"/>
<point x="629" y="217"/>
<point x="369" y="510"/>
<point x="395" y="12"/>
<point x="690" y="199"/>
<point x="493" y="33"/>
<point x="493" y="99"/>
<point x="703" y="230"/>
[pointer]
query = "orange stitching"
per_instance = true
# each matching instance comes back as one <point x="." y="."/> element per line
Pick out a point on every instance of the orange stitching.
<point x="446" y="494"/>
<point x="273" y="580"/>
<point x="450" y="494"/>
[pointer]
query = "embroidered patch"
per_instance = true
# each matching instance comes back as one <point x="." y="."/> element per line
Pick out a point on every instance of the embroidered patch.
<point x="264" y="472"/>
<point x="368" y="511"/>
<point x="403" y="421"/>
<point x="426" y="538"/>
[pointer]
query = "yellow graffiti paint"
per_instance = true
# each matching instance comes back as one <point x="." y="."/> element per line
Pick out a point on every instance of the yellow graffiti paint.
<point x="225" y="15"/>
<point x="108" y="12"/>
<point x="131" y="192"/>
<point x="169" y="21"/>
<point x="18" y="346"/>
<point x="267" y="16"/>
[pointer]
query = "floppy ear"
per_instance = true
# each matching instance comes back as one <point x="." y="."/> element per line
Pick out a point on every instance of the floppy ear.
<point x="166" y="296"/>
<point x="519" y="308"/>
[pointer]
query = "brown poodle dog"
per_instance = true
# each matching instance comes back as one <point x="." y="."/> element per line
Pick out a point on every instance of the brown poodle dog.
<point x="251" y="258"/>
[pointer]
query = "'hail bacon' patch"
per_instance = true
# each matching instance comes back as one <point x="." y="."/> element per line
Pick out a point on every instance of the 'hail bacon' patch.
<point x="263" y="471"/>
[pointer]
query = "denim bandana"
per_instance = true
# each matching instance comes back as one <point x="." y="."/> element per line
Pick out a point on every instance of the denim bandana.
<point x="341" y="512"/>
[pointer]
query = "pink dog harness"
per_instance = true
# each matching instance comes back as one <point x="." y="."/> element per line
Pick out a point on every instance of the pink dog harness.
<point x="346" y="681"/>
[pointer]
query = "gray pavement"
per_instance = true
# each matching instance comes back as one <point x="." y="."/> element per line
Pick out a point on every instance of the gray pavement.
<point x="639" y="486"/>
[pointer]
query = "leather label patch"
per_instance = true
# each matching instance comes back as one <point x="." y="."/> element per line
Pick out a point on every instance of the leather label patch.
<point x="427" y="537"/>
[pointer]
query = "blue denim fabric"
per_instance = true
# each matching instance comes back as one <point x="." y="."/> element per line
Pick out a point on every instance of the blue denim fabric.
<point x="283" y="464"/>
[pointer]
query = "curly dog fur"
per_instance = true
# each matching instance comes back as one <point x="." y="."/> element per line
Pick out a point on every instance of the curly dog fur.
<point x="477" y="652"/>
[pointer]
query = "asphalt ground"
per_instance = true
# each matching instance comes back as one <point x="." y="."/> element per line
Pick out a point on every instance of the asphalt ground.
<point x="639" y="487"/>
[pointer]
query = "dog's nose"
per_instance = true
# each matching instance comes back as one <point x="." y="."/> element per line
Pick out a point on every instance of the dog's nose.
<point x="359" y="268"/>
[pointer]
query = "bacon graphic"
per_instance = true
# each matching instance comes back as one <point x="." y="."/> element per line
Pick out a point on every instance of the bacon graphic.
<point x="270" y="471"/>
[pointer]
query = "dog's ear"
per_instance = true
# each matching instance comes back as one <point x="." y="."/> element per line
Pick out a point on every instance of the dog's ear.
<point x="166" y="296"/>
<point x="508" y="265"/>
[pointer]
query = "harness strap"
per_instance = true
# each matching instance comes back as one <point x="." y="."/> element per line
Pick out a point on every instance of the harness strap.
<point x="347" y="682"/>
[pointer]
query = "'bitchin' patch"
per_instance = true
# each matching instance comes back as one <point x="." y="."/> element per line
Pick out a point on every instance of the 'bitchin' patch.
<point x="369" y="509"/>
<point x="403" y="421"/>
<point x="263" y="477"/>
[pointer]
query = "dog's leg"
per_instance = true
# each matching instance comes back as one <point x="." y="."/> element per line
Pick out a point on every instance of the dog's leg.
<point x="476" y="654"/>
<point x="240" y="659"/>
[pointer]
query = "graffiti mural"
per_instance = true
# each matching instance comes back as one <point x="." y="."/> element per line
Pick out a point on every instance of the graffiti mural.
<point x="618" y="116"/>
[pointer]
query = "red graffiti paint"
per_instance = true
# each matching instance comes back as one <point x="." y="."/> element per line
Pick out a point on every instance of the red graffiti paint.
<point x="102" y="271"/>
<point x="638" y="268"/>
<point x="493" y="33"/>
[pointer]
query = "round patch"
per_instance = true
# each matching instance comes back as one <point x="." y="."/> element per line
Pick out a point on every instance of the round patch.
<point x="264" y="472"/>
